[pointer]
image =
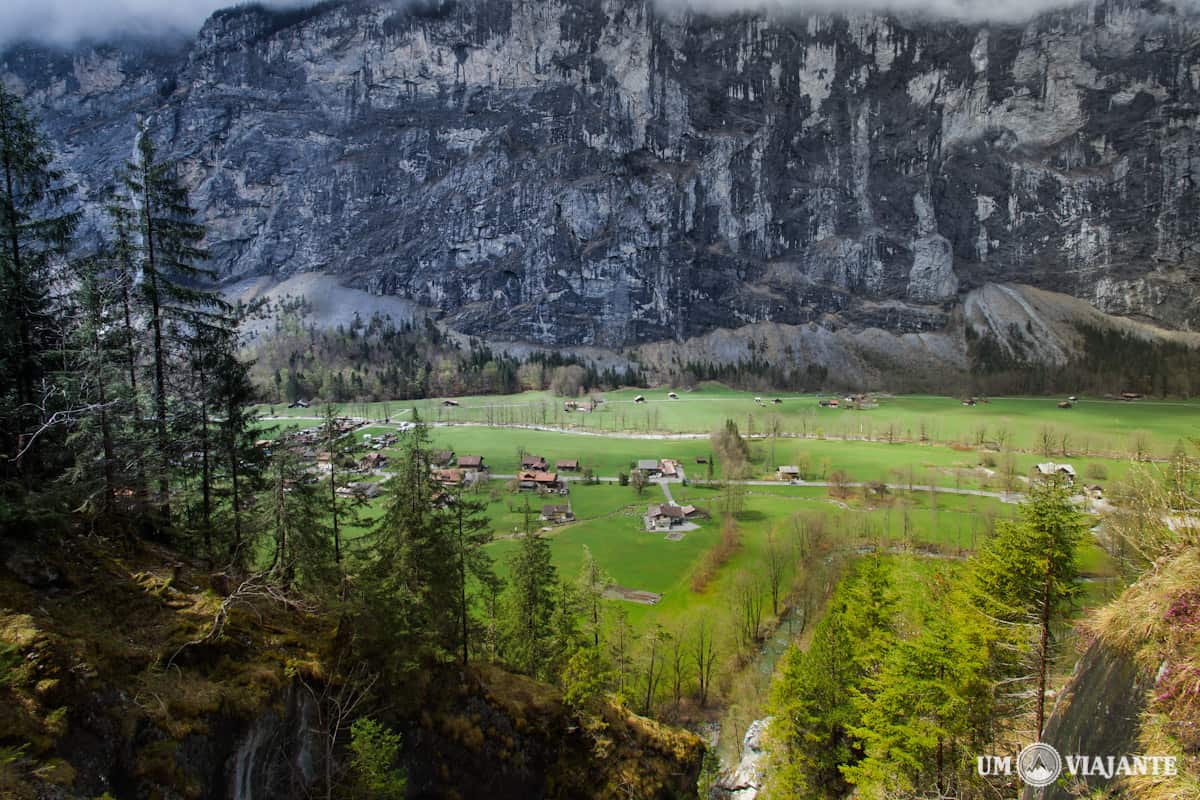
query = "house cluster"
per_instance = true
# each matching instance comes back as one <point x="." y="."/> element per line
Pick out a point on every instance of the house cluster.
<point x="665" y="516"/>
<point x="583" y="406"/>
<point x="535" y="474"/>
<point x="1066" y="473"/>
<point x="853" y="401"/>
<point x="372" y="461"/>
<point x="659" y="469"/>
<point x="452" y="470"/>
<point x="540" y="481"/>
<point x="305" y="443"/>
<point x="379" y="441"/>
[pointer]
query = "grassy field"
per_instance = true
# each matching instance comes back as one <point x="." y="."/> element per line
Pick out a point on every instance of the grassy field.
<point x="862" y="461"/>
<point x="608" y="517"/>
<point x="1094" y="424"/>
<point x="610" y="526"/>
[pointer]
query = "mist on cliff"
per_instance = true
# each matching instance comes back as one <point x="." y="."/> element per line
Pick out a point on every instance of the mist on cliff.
<point x="67" y="22"/>
<point x="952" y="10"/>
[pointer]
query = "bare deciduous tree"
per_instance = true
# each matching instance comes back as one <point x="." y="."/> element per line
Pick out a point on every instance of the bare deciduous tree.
<point x="704" y="657"/>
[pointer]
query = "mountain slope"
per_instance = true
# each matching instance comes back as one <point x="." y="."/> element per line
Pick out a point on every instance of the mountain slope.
<point x="111" y="683"/>
<point x="610" y="173"/>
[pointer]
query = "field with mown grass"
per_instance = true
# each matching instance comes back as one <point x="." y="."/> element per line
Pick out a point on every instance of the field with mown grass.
<point x="1092" y="425"/>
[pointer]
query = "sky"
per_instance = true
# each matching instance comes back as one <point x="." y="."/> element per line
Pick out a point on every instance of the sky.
<point x="69" y="21"/>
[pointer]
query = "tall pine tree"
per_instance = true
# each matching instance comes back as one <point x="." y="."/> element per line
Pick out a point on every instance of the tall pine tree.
<point x="164" y="242"/>
<point x="35" y="234"/>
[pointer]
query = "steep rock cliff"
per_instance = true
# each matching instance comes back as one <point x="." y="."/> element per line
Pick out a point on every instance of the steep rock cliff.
<point x="607" y="173"/>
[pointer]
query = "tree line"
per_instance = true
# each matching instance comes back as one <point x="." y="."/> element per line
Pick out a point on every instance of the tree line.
<point x="886" y="706"/>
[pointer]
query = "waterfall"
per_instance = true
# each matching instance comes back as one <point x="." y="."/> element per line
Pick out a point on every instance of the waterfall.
<point x="247" y="756"/>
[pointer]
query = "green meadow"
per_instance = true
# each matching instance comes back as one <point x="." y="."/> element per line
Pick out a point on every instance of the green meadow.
<point x="904" y="463"/>
<point x="1091" y="425"/>
<point x="906" y="441"/>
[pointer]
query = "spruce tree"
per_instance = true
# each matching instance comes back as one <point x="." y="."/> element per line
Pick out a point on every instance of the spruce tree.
<point x="302" y="545"/>
<point x="1022" y="579"/>
<point x="407" y="589"/>
<point x="340" y="507"/>
<point x="925" y="714"/>
<point x="242" y="464"/>
<point x="164" y="240"/>
<point x="530" y="604"/>
<point x="91" y="376"/>
<point x="590" y="585"/>
<point x="35" y="234"/>
<point x="470" y="532"/>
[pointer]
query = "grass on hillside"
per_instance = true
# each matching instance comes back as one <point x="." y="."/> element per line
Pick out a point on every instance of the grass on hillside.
<point x="1092" y="425"/>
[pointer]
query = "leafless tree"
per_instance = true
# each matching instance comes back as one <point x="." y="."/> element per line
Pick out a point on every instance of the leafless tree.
<point x="337" y="703"/>
<point x="704" y="657"/>
<point x="676" y="654"/>
<point x="652" y="660"/>
<point x="748" y="608"/>
<point x="776" y="564"/>
<point x="257" y="588"/>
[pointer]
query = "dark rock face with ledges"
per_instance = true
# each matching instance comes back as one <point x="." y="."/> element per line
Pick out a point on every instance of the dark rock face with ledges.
<point x="609" y="172"/>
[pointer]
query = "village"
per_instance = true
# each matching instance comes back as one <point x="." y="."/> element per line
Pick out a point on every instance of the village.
<point x="366" y="448"/>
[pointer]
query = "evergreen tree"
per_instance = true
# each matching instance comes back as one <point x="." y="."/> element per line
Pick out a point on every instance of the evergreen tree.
<point x="565" y="636"/>
<point x="590" y="587"/>
<point x="242" y="464"/>
<point x="822" y="691"/>
<point x="1022" y="579"/>
<point x="814" y="710"/>
<point x="35" y="234"/>
<point x="164" y="240"/>
<point x="340" y="505"/>
<point x="302" y="551"/>
<point x="530" y="604"/>
<point x="470" y="532"/>
<point x="408" y="589"/>
<point x="121" y="273"/>
<point x="91" y="375"/>
<point x="925" y="715"/>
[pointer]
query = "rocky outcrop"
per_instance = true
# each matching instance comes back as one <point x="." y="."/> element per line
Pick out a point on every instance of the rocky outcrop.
<point x="573" y="173"/>
<point x="1096" y="714"/>
<point x="745" y="780"/>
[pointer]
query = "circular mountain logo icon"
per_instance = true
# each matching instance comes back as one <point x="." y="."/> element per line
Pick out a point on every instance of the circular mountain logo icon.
<point x="1039" y="765"/>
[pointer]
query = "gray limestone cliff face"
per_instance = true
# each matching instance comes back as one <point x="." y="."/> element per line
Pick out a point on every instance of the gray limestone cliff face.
<point x="1097" y="714"/>
<point x="605" y="172"/>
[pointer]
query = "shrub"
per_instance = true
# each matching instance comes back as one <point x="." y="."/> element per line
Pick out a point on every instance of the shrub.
<point x="1096" y="471"/>
<point x="375" y="752"/>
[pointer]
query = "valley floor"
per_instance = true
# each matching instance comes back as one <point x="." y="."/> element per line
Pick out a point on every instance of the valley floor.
<point x="868" y="483"/>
